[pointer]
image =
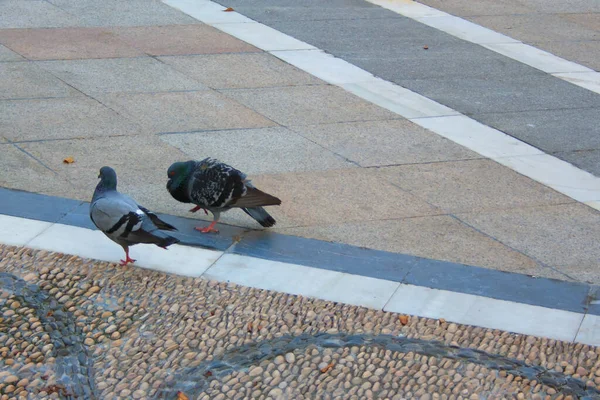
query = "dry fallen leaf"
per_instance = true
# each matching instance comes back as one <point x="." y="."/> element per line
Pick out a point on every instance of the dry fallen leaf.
<point x="69" y="160"/>
<point x="207" y="374"/>
<point x="425" y="47"/>
<point x="228" y="9"/>
<point x="182" y="396"/>
<point x="249" y="327"/>
<point x="327" y="368"/>
<point x="404" y="319"/>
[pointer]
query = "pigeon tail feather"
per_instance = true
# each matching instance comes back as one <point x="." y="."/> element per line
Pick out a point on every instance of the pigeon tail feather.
<point x="261" y="216"/>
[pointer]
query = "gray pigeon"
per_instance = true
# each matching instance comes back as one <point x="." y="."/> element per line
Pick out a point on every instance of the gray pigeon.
<point x="218" y="187"/>
<point x="124" y="221"/>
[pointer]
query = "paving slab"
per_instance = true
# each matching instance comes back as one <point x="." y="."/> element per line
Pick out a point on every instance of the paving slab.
<point x="184" y="111"/>
<point x="560" y="130"/>
<point x="140" y="74"/>
<point x="123" y="13"/>
<point x="181" y="40"/>
<point x="67" y="43"/>
<point x="505" y="94"/>
<point x="555" y="235"/>
<point x="273" y="344"/>
<point x="460" y="62"/>
<point x="123" y="153"/>
<point x="27" y="173"/>
<point x="380" y="143"/>
<point x="26" y="80"/>
<point x="34" y="14"/>
<point x="7" y="54"/>
<point x="530" y="27"/>
<point x="310" y="10"/>
<point x="61" y="118"/>
<point x="440" y="237"/>
<point x="465" y="186"/>
<point x="304" y="105"/>
<point x="336" y="196"/>
<point x="248" y="70"/>
<point x="258" y="151"/>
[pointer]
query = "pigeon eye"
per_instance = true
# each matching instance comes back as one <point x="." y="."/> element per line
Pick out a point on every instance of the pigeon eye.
<point x="172" y="173"/>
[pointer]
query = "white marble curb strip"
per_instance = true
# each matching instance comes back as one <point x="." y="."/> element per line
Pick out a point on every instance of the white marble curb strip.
<point x="497" y="42"/>
<point x="492" y="143"/>
<point x="310" y="282"/>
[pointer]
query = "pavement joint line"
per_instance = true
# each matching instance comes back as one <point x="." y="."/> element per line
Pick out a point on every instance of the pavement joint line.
<point x="310" y="282"/>
<point x="329" y="271"/>
<point x="451" y="124"/>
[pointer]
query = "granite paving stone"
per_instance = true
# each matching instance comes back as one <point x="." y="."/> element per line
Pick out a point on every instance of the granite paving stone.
<point x="26" y="173"/>
<point x="120" y="152"/>
<point x="141" y="74"/>
<point x="379" y="143"/>
<point x="67" y="43"/>
<point x="304" y="105"/>
<point x="530" y="27"/>
<point x="465" y="186"/>
<point x="258" y="151"/>
<point x="7" y="54"/>
<point x="336" y="196"/>
<point x="248" y="70"/>
<point x="61" y="118"/>
<point x="440" y="237"/>
<point x="550" y="130"/>
<point x="123" y="13"/>
<point x="26" y="80"/>
<point x="181" y="40"/>
<point x="184" y="111"/>
<point x="34" y="14"/>
<point x="506" y="94"/>
<point x="569" y="6"/>
<point x="565" y="234"/>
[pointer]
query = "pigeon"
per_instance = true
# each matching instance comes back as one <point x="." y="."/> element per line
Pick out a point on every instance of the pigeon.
<point x="218" y="187"/>
<point x="123" y="220"/>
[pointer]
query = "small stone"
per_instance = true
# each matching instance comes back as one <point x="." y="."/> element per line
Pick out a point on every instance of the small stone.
<point x="138" y="394"/>
<point x="279" y="360"/>
<point x="290" y="358"/>
<point x="93" y="289"/>
<point x="452" y="328"/>
<point x="89" y="341"/>
<point x="255" y="371"/>
<point x="11" y="379"/>
<point x="110" y="329"/>
<point x="115" y="336"/>
<point x="23" y="382"/>
<point x="581" y="371"/>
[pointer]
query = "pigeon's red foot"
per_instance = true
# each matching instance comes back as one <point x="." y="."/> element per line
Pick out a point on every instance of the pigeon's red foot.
<point x="210" y="228"/>
<point x="127" y="259"/>
<point x="199" y="208"/>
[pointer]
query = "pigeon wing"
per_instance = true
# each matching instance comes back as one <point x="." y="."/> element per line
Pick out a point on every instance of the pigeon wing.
<point x="215" y="184"/>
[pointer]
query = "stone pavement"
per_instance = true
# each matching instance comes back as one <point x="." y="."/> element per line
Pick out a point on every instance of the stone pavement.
<point x="78" y="328"/>
<point x="138" y="85"/>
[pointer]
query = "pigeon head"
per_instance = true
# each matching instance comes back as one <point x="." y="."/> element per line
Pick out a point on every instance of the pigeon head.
<point x="178" y="174"/>
<point x="108" y="178"/>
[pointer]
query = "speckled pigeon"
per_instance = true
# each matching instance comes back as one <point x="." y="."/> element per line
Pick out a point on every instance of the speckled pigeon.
<point x="124" y="221"/>
<point x="218" y="187"/>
